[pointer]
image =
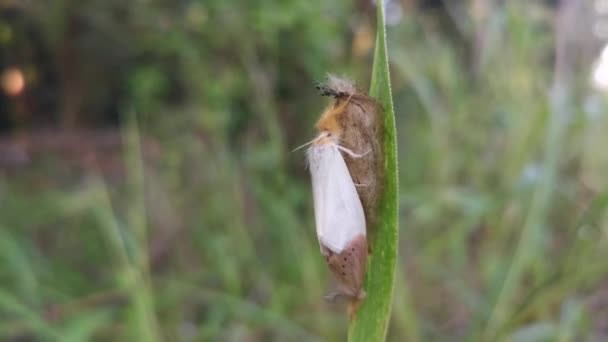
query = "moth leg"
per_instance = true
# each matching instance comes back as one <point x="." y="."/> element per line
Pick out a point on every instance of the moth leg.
<point x="353" y="154"/>
<point x="331" y="297"/>
<point x="361" y="185"/>
<point x="326" y="252"/>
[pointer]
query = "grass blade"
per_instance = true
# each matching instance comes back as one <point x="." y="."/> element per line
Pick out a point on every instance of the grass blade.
<point x="373" y="317"/>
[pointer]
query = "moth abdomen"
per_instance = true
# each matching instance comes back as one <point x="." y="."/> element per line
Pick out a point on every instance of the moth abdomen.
<point x="348" y="266"/>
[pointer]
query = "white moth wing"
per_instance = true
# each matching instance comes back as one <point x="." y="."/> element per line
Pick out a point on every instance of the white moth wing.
<point x="339" y="214"/>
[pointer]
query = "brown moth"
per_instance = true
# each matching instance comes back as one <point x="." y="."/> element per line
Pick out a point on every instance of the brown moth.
<point x="357" y="117"/>
<point x="344" y="162"/>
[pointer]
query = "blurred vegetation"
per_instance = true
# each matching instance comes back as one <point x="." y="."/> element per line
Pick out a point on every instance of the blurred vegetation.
<point x="148" y="192"/>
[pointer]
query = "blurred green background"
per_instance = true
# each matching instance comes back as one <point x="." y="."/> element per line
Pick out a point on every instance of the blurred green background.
<point x="148" y="190"/>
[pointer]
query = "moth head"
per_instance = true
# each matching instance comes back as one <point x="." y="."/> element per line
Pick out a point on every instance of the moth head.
<point x="332" y="117"/>
<point x="326" y="137"/>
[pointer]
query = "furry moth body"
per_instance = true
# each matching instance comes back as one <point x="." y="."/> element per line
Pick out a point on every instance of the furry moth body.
<point x="345" y="162"/>
<point x="354" y="117"/>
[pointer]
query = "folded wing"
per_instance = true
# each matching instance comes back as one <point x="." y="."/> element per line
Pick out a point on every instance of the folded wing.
<point x="339" y="215"/>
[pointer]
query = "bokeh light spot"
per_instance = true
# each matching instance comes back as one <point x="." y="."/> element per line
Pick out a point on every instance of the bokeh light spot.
<point x="13" y="81"/>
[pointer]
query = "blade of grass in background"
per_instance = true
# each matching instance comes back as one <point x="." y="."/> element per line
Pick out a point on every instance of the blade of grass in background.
<point x="536" y="221"/>
<point x="373" y="317"/>
<point x="137" y="276"/>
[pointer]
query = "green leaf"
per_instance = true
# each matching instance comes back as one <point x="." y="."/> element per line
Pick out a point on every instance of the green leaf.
<point x="372" y="319"/>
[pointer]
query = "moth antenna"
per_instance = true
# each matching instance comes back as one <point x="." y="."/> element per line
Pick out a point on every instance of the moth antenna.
<point x="327" y="90"/>
<point x="320" y="136"/>
<point x="324" y="89"/>
<point x="304" y="145"/>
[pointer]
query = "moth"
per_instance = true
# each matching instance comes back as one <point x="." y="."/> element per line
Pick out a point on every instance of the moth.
<point x="344" y="162"/>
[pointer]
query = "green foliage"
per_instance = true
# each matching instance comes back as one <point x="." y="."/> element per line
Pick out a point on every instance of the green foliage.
<point x="200" y="226"/>
<point x="371" y="322"/>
